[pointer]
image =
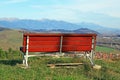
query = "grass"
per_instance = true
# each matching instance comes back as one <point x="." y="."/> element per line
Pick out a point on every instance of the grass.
<point x="9" y="69"/>
<point x="106" y="50"/>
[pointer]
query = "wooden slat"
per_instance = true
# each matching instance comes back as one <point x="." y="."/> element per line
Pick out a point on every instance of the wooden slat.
<point x="43" y="43"/>
<point x="76" y="48"/>
<point x="78" y="38"/>
<point x="43" y="38"/>
<point x="77" y="43"/>
<point x="65" y="65"/>
<point x="44" y="49"/>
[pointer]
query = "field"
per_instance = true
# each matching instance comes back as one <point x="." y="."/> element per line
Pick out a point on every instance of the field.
<point x="11" y="60"/>
<point x="10" y="68"/>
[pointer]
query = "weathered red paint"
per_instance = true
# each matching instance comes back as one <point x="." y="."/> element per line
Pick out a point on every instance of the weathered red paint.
<point x="50" y="42"/>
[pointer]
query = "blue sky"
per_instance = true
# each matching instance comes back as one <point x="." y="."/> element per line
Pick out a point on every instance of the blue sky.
<point x="103" y="12"/>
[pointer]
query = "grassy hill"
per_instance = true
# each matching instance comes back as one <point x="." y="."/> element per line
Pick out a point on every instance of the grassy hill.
<point x="10" y="39"/>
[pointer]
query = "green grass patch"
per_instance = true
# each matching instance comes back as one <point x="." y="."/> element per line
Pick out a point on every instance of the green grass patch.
<point x="9" y="70"/>
<point x="104" y="49"/>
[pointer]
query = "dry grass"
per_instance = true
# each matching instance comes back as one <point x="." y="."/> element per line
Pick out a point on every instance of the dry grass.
<point x="10" y="39"/>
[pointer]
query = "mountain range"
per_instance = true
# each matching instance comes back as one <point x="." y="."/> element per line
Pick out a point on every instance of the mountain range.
<point x="47" y="25"/>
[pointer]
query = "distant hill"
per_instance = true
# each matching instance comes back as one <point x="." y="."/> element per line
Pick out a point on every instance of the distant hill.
<point x="81" y="30"/>
<point x="54" y="25"/>
<point x="100" y="29"/>
<point x="38" y="24"/>
<point x="2" y="29"/>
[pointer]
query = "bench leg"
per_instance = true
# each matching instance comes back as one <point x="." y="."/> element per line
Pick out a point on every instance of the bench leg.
<point x="90" y="57"/>
<point x="91" y="60"/>
<point x="26" y="61"/>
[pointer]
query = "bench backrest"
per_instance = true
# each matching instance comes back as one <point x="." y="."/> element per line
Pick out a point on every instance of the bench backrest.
<point x="51" y="42"/>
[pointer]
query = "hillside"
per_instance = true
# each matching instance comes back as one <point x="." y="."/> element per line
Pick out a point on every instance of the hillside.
<point x="10" y="39"/>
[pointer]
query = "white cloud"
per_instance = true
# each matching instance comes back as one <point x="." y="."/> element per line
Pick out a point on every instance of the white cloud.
<point x="108" y="7"/>
<point x="103" y="7"/>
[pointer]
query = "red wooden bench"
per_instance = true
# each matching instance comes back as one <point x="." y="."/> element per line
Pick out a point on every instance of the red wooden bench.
<point x="57" y="42"/>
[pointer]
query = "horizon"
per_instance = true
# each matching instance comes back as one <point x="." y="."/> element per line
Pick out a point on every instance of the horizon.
<point x="11" y="19"/>
<point x="105" y="13"/>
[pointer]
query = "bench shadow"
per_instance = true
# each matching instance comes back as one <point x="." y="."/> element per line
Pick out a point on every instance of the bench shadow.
<point x="10" y="62"/>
